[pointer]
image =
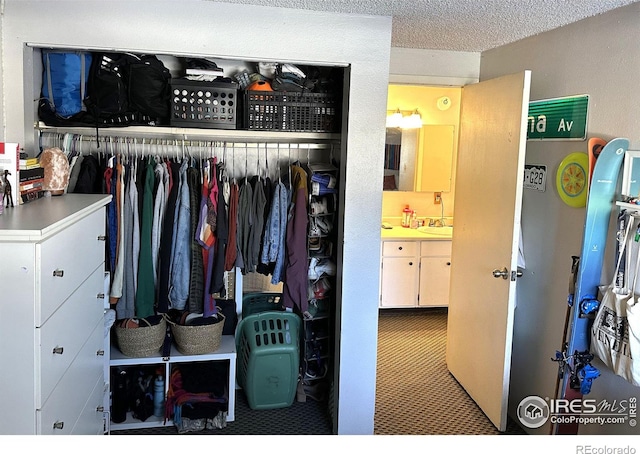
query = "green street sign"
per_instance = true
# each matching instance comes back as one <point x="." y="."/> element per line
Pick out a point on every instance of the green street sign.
<point x="558" y="118"/>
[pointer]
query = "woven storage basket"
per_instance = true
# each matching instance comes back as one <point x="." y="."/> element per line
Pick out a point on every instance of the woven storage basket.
<point x="142" y="341"/>
<point x="198" y="339"/>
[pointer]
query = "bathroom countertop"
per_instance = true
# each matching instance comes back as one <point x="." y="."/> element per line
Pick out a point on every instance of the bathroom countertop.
<point x="403" y="233"/>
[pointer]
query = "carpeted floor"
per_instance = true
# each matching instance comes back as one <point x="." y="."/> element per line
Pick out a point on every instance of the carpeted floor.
<point x="415" y="394"/>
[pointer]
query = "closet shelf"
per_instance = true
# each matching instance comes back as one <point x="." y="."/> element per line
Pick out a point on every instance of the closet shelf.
<point x="197" y="134"/>
<point x="628" y="206"/>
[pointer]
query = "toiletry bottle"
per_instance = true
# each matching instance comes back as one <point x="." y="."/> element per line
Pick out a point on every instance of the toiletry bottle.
<point x="406" y="216"/>
<point x="414" y="220"/>
<point x="158" y="396"/>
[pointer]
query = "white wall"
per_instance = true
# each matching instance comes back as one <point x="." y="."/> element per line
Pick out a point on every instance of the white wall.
<point x="192" y="27"/>
<point x="600" y="57"/>
<point x="433" y="67"/>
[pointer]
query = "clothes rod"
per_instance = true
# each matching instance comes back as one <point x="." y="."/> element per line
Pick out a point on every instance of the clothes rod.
<point x="63" y="140"/>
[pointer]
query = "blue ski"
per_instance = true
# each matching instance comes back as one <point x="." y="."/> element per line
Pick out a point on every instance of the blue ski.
<point x="600" y="205"/>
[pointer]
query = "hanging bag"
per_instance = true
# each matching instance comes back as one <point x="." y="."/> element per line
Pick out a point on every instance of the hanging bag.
<point x="613" y="340"/>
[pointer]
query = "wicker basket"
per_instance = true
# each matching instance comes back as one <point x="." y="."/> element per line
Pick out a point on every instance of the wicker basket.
<point x="142" y="341"/>
<point x="198" y="339"/>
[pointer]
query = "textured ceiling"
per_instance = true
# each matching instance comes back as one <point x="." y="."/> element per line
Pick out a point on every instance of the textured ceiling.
<point x="460" y="25"/>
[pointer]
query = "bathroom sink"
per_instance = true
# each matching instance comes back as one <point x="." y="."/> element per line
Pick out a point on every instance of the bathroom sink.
<point x="439" y="231"/>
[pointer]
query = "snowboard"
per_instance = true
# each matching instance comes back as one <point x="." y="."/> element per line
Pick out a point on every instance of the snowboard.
<point x="600" y="205"/>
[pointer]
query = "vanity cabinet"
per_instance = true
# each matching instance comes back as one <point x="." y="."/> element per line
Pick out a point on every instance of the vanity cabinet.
<point x="52" y="316"/>
<point x="435" y="272"/>
<point x="415" y="273"/>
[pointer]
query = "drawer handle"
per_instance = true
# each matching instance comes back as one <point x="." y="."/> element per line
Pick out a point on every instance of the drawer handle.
<point x="58" y="273"/>
<point x="58" y="350"/>
<point x="58" y="424"/>
<point x="100" y="296"/>
<point x="102" y="238"/>
<point x="100" y="353"/>
<point x="100" y="409"/>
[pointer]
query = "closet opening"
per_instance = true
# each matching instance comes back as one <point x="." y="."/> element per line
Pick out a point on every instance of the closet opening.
<point x="241" y="157"/>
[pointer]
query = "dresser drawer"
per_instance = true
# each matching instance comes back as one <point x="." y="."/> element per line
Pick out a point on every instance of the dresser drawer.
<point x="399" y="248"/>
<point x="91" y="420"/>
<point x="67" y="331"/>
<point x="66" y="260"/>
<point x="435" y="248"/>
<point x="60" y="413"/>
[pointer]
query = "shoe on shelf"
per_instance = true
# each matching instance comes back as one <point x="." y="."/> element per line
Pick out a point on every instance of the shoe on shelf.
<point x="319" y="206"/>
<point x="315" y="370"/>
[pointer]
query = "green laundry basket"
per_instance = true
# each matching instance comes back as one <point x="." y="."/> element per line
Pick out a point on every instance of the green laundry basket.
<point x="268" y="346"/>
<point x="252" y="303"/>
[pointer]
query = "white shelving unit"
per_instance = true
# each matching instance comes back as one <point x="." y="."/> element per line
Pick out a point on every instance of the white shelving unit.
<point x="226" y="352"/>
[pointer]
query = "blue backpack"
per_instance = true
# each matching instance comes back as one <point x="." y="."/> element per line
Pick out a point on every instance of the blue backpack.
<point x="64" y="81"/>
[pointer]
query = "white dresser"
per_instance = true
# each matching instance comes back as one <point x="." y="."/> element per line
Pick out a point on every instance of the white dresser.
<point x="52" y="254"/>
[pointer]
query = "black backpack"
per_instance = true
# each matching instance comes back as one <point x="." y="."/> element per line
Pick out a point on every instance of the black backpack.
<point x="107" y="99"/>
<point x="149" y="88"/>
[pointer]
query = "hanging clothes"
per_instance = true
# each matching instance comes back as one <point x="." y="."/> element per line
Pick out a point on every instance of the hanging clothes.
<point x="159" y="205"/>
<point x="117" y="277"/>
<point x="267" y="187"/>
<point x="112" y="221"/>
<point x="273" y="249"/>
<point x="206" y="230"/>
<point x="145" y="295"/>
<point x="125" y="308"/>
<point x="166" y="237"/>
<point x="245" y="224"/>
<point x="196" y="274"/>
<point x="134" y="195"/>
<point x="257" y="227"/>
<point x="232" y="246"/>
<point x="181" y="245"/>
<point x="216" y="284"/>
<point x="295" y="289"/>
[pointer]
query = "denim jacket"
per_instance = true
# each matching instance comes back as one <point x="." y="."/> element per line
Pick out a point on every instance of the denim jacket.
<point x="274" y="233"/>
<point x="181" y="247"/>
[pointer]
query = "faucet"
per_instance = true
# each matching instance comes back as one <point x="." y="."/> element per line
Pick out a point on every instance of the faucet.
<point x="438" y="222"/>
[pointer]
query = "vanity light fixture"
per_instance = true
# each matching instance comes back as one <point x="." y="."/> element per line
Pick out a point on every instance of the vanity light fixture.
<point x="395" y="119"/>
<point x="404" y="121"/>
<point x="413" y="121"/>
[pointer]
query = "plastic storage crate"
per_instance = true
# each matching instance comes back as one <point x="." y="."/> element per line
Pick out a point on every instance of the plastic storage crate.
<point x="291" y="111"/>
<point x="201" y="104"/>
<point x="268" y="346"/>
<point x="253" y="303"/>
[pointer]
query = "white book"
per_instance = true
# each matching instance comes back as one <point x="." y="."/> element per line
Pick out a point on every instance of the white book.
<point x="204" y="72"/>
<point x="10" y="172"/>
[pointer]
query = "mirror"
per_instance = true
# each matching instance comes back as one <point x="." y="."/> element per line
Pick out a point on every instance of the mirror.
<point x="631" y="174"/>
<point x="419" y="159"/>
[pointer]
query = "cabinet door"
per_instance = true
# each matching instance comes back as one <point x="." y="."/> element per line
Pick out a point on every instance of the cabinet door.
<point x="434" y="281"/>
<point x="399" y="282"/>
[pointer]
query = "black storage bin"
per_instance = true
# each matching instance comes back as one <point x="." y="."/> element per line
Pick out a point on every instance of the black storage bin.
<point x="291" y="111"/>
<point x="204" y="104"/>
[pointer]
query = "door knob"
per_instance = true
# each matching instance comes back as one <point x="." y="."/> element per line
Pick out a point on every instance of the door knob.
<point x="503" y="273"/>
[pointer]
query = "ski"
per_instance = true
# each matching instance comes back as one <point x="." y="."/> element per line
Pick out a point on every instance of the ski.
<point x="577" y="373"/>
